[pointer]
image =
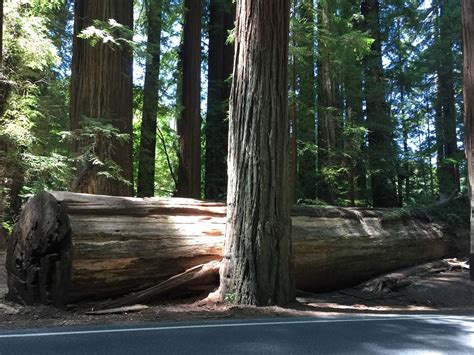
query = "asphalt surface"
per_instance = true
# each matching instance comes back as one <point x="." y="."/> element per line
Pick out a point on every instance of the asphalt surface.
<point x="414" y="334"/>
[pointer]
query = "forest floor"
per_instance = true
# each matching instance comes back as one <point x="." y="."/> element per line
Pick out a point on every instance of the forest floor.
<point x="444" y="292"/>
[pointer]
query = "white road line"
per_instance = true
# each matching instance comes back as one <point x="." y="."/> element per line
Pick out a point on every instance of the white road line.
<point x="229" y="325"/>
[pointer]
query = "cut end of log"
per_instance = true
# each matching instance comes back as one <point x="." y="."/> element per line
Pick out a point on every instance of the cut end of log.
<point x="39" y="258"/>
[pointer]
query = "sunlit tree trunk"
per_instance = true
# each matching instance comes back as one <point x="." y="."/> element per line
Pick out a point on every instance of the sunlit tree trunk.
<point x="189" y="124"/>
<point x="257" y="252"/>
<point x="467" y="12"/>
<point x="101" y="89"/>
<point x="146" y="158"/>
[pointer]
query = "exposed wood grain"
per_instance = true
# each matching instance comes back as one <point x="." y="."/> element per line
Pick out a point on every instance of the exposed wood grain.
<point x="56" y="257"/>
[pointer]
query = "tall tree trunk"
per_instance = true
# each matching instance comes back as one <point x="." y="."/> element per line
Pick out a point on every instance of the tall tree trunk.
<point x="448" y="170"/>
<point x="222" y="15"/>
<point x="101" y="89"/>
<point x="467" y="12"/>
<point x="293" y="124"/>
<point x="1" y="35"/>
<point x="355" y="144"/>
<point x="189" y="125"/>
<point x="146" y="158"/>
<point x="306" y="102"/>
<point x="257" y="251"/>
<point x="382" y="154"/>
<point x="328" y="125"/>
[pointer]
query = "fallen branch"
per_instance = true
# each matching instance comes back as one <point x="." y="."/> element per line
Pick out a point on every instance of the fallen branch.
<point x="128" y="309"/>
<point x="192" y="274"/>
<point x="396" y="280"/>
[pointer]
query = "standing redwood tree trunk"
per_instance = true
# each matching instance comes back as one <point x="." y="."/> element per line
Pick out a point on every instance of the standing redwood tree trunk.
<point x="189" y="125"/>
<point x="1" y="34"/>
<point x="146" y="158"/>
<point x="221" y="55"/>
<point x="382" y="154"/>
<point x="306" y="102"/>
<point x="467" y="14"/>
<point x="448" y="170"/>
<point x="101" y="89"/>
<point x="257" y="251"/>
<point x="329" y="124"/>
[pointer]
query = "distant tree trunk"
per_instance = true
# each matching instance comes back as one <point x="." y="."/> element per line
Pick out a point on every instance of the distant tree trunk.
<point x="189" y="124"/>
<point x="467" y="12"/>
<point x="355" y="145"/>
<point x="146" y="158"/>
<point x="257" y="251"/>
<point x="382" y="154"/>
<point x="222" y="15"/>
<point x="448" y="170"/>
<point x="306" y="101"/>
<point x="328" y="125"/>
<point x="293" y="125"/>
<point x="101" y="88"/>
<point x="1" y="34"/>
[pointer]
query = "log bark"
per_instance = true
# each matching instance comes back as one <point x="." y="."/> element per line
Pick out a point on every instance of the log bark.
<point x="69" y="247"/>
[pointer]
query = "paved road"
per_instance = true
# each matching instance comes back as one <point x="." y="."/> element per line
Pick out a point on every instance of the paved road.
<point x="354" y="334"/>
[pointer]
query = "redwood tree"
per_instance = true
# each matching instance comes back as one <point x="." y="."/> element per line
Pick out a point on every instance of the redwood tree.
<point x="146" y="159"/>
<point x="257" y="252"/>
<point x="382" y="154"/>
<point x="306" y="99"/>
<point x="467" y="12"/>
<point x="329" y="124"/>
<point x="448" y="170"/>
<point x="101" y="89"/>
<point x="221" y="55"/>
<point x="189" y="124"/>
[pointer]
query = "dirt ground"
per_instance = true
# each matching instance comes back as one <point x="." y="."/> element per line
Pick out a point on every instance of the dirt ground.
<point x="448" y="292"/>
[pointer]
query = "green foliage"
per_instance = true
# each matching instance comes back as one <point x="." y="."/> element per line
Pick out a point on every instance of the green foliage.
<point x="109" y="32"/>
<point x="94" y="137"/>
<point x="37" y="107"/>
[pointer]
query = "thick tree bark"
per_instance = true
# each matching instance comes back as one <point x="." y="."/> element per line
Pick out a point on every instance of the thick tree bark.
<point x="382" y="154"/>
<point x="189" y="125"/>
<point x="467" y="12"/>
<point x="101" y="89"/>
<point x="146" y="158"/>
<point x="257" y="257"/>
<point x="306" y="101"/>
<point x="221" y="55"/>
<point x="448" y="171"/>
<point x="70" y="247"/>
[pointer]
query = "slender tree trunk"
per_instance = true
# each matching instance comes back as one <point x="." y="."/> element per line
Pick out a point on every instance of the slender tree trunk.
<point x="222" y="15"/>
<point x="257" y="251"/>
<point x="189" y="125"/>
<point x="448" y="169"/>
<point x="1" y="34"/>
<point x="294" y="130"/>
<point x="467" y="12"/>
<point x="382" y="154"/>
<point x="101" y="89"/>
<point x="146" y="158"/>
<point x="328" y="125"/>
<point x="306" y="103"/>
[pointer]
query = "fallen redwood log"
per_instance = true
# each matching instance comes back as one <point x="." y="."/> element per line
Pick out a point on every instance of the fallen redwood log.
<point x="68" y="247"/>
